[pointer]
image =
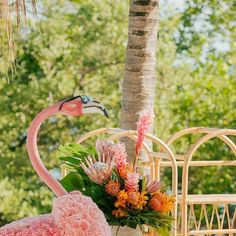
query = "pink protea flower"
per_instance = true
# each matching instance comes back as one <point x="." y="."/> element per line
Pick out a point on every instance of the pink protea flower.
<point x="108" y="150"/>
<point x="143" y="125"/>
<point x="152" y="186"/>
<point x="99" y="171"/>
<point x="103" y="147"/>
<point x="131" y="182"/>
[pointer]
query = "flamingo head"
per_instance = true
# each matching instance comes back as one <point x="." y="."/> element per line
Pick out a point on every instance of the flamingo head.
<point x="79" y="105"/>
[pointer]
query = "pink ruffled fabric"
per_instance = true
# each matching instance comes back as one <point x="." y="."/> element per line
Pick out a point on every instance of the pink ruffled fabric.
<point x="72" y="215"/>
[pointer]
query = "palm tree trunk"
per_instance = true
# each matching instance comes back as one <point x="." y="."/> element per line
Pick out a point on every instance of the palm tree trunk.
<point x="138" y="88"/>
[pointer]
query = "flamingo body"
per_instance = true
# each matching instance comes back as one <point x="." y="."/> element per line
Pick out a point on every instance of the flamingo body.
<point x="73" y="215"/>
<point x="43" y="225"/>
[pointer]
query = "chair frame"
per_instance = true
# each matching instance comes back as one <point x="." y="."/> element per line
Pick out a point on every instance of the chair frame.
<point x="186" y="162"/>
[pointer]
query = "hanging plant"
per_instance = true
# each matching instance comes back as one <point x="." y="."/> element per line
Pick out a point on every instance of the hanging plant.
<point x="13" y="14"/>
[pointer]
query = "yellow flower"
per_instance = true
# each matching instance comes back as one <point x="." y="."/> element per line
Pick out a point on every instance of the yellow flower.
<point x="119" y="213"/>
<point x="142" y="201"/>
<point x="162" y="202"/>
<point x="122" y="198"/>
<point x="137" y="200"/>
<point x="133" y="198"/>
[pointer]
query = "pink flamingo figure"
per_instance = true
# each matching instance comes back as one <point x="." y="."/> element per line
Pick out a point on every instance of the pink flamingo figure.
<point x="72" y="214"/>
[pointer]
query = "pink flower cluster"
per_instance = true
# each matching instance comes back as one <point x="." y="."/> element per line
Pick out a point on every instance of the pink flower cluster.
<point x="152" y="185"/>
<point x="120" y="155"/>
<point x="143" y="125"/>
<point x="103" y="147"/>
<point x="115" y="151"/>
<point x="131" y="182"/>
<point x="72" y="215"/>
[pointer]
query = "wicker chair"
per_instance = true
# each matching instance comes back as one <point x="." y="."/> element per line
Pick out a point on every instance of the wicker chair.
<point x="226" y="220"/>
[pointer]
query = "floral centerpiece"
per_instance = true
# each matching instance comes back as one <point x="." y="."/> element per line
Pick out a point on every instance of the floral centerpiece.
<point x="126" y="196"/>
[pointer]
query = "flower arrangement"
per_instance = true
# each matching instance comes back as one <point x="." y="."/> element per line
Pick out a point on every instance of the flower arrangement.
<point x="126" y="196"/>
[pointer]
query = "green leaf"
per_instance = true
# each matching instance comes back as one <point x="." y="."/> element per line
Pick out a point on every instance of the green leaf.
<point x="72" y="160"/>
<point x="74" y="154"/>
<point x="163" y="231"/>
<point x="73" y="148"/>
<point x="70" y="182"/>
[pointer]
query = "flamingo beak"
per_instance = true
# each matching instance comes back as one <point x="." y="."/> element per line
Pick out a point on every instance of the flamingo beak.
<point x="95" y="107"/>
<point x="106" y="113"/>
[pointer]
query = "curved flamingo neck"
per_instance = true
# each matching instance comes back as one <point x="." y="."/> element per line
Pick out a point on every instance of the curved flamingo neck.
<point x="32" y="149"/>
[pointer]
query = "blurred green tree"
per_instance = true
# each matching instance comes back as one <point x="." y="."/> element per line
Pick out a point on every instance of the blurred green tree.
<point x="67" y="52"/>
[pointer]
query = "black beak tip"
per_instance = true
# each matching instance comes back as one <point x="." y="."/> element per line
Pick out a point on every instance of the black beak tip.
<point x="106" y="113"/>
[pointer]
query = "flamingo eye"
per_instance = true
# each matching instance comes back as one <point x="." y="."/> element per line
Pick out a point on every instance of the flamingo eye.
<point x="86" y="99"/>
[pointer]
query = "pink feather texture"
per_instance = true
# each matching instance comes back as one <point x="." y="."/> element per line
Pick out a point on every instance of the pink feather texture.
<point x="72" y="215"/>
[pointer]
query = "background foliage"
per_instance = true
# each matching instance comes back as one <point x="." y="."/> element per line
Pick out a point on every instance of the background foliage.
<point x="78" y="47"/>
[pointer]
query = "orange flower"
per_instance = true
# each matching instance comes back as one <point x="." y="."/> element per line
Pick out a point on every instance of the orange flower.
<point x="142" y="201"/>
<point x="119" y="213"/>
<point x="122" y="198"/>
<point x="162" y="202"/>
<point x="133" y="198"/>
<point x="112" y="187"/>
<point x="124" y="170"/>
<point x="137" y="200"/>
